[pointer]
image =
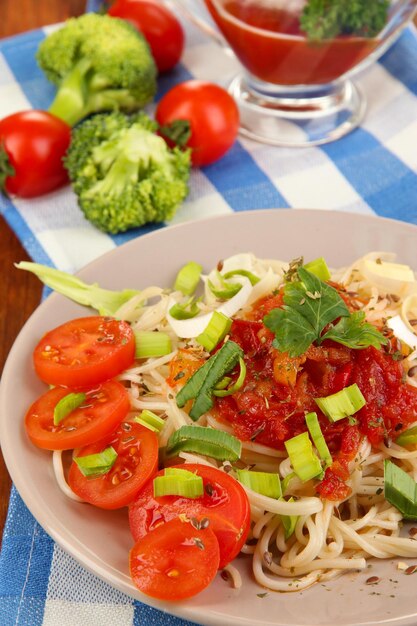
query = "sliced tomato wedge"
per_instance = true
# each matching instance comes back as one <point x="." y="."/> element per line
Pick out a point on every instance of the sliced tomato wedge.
<point x="137" y="461"/>
<point x="224" y="503"/>
<point x="104" y="408"/>
<point x="84" y="352"/>
<point x="175" y="561"/>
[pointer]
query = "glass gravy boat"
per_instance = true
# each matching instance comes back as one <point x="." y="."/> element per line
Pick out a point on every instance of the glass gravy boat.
<point x="295" y="87"/>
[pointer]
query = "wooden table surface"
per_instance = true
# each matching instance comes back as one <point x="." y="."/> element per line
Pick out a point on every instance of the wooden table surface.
<point x="20" y="292"/>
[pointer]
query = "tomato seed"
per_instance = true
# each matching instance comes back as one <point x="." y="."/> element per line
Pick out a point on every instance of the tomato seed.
<point x="173" y="573"/>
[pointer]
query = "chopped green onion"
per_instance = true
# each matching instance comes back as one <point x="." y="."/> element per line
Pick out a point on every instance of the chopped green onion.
<point x="187" y="278"/>
<point x="67" y="405"/>
<point x="408" y="437"/>
<point x="178" y="485"/>
<point x="185" y="311"/>
<point x="318" y="438"/>
<point x="215" y="331"/>
<point x="201" y="384"/>
<point x="253" y="279"/>
<point x="303" y="459"/>
<point x="286" y="481"/>
<point x="106" y="302"/>
<point x="150" y="420"/>
<point x="342" y="404"/>
<point x="400" y="490"/>
<point x="238" y="384"/>
<point x="151" y="344"/>
<point x="203" y="440"/>
<point x="178" y="471"/>
<point x="93" y="465"/>
<point x="223" y="383"/>
<point x="261" y="482"/>
<point x="289" y="523"/>
<point x="319" y="268"/>
<point x="226" y="290"/>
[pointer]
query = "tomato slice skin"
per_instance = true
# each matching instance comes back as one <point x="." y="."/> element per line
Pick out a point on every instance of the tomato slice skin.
<point x="136" y="463"/>
<point x="105" y="407"/>
<point x="174" y="561"/>
<point x="84" y="352"/>
<point x="224" y="503"/>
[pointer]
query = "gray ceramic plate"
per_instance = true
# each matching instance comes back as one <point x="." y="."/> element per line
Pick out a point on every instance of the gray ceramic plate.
<point x="100" y="540"/>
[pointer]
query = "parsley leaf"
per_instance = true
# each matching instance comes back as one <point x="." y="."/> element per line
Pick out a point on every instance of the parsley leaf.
<point x="354" y="332"/>
<point x="310" y="305"/>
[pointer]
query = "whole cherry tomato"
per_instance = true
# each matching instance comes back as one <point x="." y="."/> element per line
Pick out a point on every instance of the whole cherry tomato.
<point x="158" y="25"/>
<point x="211" y="112"/>
<point x="32" y="146"/>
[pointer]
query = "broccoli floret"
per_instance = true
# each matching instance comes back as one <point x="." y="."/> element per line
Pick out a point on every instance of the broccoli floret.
<point x="123" y="173"/>
<point x="325" y="19"/>
<point x="99" y="63"/>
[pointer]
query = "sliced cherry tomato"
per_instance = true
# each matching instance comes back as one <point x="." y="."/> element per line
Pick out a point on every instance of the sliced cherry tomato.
<point x="224" y="503"/>
<point x="212" y="113"/>
<point x="101" y="413"/>
<point x="32" y="145"/>
<point x="137" y="461"/>
<point x="175" y="561"/>
<point x="84" y="352"/>
<point x="158" y="25"/>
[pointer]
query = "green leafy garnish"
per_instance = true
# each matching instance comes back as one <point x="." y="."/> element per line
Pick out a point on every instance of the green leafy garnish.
<point x="354" y="332"/>
<point x="202" y="383"/>
<point x="310" y="305"/>
<point x="326" y="19"/>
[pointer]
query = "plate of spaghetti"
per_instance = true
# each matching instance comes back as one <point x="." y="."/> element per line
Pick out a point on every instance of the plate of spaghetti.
<point x="220" y="418"/>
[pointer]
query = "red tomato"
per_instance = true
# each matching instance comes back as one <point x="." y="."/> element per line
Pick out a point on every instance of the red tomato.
<point x="35" y="143"/>
<point x="84" y="352"/>
<point x="137" y="461"/>
<point x="212" y="113"/>
<point x="224" y="503"/>
<point x="175" y="561"/>
<point x="158" y="25"/>
<point x="100" y="415"/>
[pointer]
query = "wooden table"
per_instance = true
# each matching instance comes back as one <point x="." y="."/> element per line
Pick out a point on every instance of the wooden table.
<point x="20" y="292"/>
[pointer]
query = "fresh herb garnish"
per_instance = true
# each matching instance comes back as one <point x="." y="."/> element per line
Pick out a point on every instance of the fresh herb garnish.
<point x="310" y="305"/>
<point x="326" y="19"/>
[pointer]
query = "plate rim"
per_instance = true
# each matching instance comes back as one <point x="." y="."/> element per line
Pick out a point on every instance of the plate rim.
<point x="179" y="610"/>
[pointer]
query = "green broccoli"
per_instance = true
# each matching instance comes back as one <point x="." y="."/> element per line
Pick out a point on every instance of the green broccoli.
<point x="325" y="19"/>
<point x="99" y="63"/>
<point x="124" y="174"/>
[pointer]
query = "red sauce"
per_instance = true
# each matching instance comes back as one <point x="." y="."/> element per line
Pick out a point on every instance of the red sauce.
<point x="270" y="413"/>
<point x="277" y="51"/>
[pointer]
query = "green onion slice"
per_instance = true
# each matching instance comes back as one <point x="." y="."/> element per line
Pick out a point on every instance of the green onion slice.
<point x="318" y="438"/>
<point x="202" y="383"/>
<point x="67" y="405"/>
<point x="150" y="420"/>
<point x="216" y="444"/>
<point x="305" y="462"/>
<point x="253" y="279"/>
<point x="188" y="278"/>
<point x="226" y="290"/>
<point x="186" y="310"/>
<point x="408" y="437"/>
<point x="261" y="482"/>
<point x="151" y="344"/>
<point x="319" y="268"/>
<point x="342" y="404"/>
<point x="286" y="481"/>
<point x="238" y="384"/>
<point x="400" y="490"/>
<point x="93" y="465"/>
<point x="289" y="523"/>
<point x="215" y="331"/>
<point x="178" y="485"/>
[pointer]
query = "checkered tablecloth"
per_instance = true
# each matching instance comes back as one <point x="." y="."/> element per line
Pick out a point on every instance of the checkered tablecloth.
<point x="373" y="171"/>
